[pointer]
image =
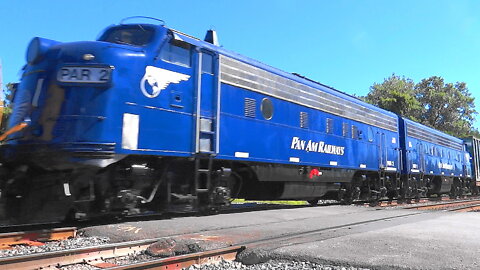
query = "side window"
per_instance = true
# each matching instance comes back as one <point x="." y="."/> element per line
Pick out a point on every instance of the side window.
<point x="176" y="52"/>
<point x="207" y="63"/>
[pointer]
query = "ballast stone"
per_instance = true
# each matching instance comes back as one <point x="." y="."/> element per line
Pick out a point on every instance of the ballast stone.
<point x="169" y="247"/>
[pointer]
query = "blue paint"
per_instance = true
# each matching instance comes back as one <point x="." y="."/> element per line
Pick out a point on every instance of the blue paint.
<point x="93" y="113"/>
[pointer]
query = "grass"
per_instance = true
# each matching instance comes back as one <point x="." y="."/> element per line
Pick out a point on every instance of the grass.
<point x="243" y="201"/>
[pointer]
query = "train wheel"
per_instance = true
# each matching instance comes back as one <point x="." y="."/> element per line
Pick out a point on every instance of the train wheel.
<point x="455" y="189"/>
<point x="351" y="193"/>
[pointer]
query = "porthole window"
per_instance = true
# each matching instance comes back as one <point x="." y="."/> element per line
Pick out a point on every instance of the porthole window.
<point x="267" y="108"/>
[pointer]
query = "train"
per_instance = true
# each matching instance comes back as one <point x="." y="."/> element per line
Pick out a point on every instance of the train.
<point x="147" y="119"/>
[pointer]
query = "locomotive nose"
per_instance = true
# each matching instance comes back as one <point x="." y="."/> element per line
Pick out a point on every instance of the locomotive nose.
<point x="66" y="87"/>
<point x="96" y="52"/>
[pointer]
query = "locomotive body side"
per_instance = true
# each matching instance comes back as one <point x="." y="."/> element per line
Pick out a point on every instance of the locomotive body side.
<point x="434" y="162"/>
<point x="148" y="119"/>
<point x="312" y="137"/>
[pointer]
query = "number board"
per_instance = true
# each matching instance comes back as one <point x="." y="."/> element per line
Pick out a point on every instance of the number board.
<point x="84" y="75"/>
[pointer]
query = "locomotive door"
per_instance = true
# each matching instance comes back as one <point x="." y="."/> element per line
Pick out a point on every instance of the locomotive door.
<point x="382" y="150"/>
<point x="421" y="158"/>
<point x="207" y="87"/>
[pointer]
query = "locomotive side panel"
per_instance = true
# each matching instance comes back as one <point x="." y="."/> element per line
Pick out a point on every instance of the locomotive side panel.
<point x="302" y="125"/>
<point x="434" y="161"/>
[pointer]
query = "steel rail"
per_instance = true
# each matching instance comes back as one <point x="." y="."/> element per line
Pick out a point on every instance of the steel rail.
<point x="469" y="208"/>
<point x="444" y="205"/>
<point x="73" y="256"/>
<point x="183" y="261"/>
<point x="35" y="237"/>
<point x="97" y="255"/>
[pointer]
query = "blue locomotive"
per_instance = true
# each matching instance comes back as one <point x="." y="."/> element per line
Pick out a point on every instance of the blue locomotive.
<point x="148" y="119"/>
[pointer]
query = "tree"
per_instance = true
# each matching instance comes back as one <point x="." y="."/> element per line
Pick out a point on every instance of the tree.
<point x="445" y="106"/>
<point x="8" y="93"/>
<point x="6" y="104"/>
<point x="395" y="94"/>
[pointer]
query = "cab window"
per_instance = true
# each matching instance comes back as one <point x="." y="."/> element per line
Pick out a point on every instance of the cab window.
<point x="177" y="52"/>
<point x="136" y="35"/>
<point x="207" y="63"/>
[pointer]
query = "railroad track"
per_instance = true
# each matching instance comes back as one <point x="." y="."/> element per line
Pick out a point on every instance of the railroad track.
<point x="104" y="256"/>
<point x="454" y="206"/>
<point x="101" y="256"/>
<point x="36" y="237"/>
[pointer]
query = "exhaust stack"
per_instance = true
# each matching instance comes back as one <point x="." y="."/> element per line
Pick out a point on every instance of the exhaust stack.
<point x="211" y="37"/>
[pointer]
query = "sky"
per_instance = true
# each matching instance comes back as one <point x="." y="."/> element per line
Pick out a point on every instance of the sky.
<point x="346" y="44"/>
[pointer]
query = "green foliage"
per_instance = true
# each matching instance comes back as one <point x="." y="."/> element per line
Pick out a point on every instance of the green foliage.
<point x="8" y="92"/>
<point x="395" y="94"/>
<point x="444" y="106"/>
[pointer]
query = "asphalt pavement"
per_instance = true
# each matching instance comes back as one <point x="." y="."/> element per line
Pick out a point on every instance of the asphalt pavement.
<point x="377" y="238"/>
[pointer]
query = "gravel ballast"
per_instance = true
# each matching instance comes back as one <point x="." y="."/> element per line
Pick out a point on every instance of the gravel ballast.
<point x="272" y="265"/>
<point x="78" y="242"/>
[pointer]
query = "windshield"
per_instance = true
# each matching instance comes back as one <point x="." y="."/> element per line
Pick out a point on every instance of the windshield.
<point x="136" y="35"/>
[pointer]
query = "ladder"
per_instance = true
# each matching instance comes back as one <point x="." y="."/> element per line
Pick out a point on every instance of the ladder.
<point x="203" y="179"/>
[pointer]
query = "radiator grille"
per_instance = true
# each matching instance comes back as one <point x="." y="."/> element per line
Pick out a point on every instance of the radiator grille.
<point x="303" y="120"/>
<point x="250" y="107"/>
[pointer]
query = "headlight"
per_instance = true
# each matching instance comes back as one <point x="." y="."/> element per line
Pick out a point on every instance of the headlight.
<point x="38" y="48"/>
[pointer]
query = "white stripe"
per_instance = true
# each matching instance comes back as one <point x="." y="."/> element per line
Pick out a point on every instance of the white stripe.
<point x="333" y="163"/>
<point x="391" y="169"/>
<point x="294" y="159"/>
<point x="131" y="123"/>
<point x="242" y="154"/>
<point x="36" y="96"/>
<point x="363" y="166"/>
<point x="415" y="171"/>
<point x="66" y="189"/>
